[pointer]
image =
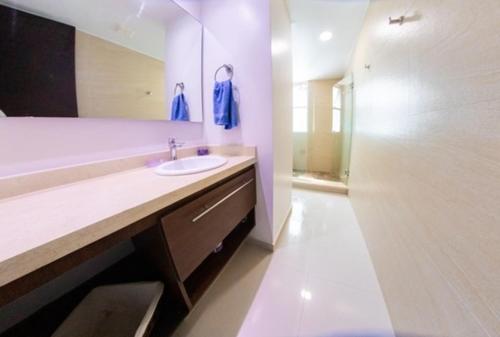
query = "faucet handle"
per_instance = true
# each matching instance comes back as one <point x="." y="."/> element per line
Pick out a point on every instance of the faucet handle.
<point x="173" y="142"/>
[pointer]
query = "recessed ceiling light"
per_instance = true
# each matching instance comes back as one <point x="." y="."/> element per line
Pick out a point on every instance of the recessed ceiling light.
<point x="325" y="36"/>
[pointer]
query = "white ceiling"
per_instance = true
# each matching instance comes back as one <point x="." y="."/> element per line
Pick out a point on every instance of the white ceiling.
<point x="315" y="59"/>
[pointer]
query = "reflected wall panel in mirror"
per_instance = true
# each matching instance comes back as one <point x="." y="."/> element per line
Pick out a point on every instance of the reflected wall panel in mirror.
<point x="100" y="59"/>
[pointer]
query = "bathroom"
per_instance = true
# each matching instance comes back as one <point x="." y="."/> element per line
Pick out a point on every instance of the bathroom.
<point x="110" y="205"/>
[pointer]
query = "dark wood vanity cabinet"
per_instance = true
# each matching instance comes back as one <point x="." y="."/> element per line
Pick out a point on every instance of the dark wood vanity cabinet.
<point x="175" y="245"/>
<point x="194" y="230"/>
<point x="220" y="216"/>
<point x="183" y="246"/>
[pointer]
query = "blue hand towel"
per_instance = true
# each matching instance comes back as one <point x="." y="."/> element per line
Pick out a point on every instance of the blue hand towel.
<point x="225" y="107"/>
<point x="180" y="110"/>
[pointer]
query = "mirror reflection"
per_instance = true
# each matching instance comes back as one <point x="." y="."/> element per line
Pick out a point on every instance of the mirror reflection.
<point x="137" y="59"/>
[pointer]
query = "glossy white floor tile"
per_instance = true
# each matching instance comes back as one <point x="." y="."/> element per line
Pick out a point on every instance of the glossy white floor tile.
<point x="277" y="308"/>
<point x="319" y="282"/>
<point x="336" y="310"/>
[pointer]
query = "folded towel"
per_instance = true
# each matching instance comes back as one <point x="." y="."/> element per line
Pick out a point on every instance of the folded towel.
<point x="225" y="107"/>
<point x="180" y="109"/>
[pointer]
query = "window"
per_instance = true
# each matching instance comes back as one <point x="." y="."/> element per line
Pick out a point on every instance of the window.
<point x="336" y="109"/>
<point x="300" y="108"/>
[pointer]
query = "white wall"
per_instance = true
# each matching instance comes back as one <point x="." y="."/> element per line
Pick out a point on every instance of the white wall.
<point x="183" y="63"/>
<point x="193" y="7"/>
<point x="238" y="32"/>
<point x="282" y="113"/>
<point x="32" y="144"/>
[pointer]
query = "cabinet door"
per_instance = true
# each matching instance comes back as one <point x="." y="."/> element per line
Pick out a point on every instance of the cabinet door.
<point x="194" y="230"/>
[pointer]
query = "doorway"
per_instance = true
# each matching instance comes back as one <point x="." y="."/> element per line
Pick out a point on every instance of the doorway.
<point x="322" y="130"/>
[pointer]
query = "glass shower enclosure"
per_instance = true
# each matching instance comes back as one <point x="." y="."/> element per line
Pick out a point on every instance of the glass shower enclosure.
<point x="322" y="129"/>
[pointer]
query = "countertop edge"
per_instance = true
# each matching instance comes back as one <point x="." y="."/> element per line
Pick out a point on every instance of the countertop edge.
<point x="53" y="250"/>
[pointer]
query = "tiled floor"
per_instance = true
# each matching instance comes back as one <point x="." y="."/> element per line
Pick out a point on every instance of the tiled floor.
<point x="318" y="283"/>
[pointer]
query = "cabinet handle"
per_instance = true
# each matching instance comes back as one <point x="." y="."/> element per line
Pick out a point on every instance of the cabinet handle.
<point x="208" y="210"/>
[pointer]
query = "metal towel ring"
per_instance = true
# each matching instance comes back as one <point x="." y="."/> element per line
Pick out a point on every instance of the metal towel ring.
<point x="229" y="71"/>
<point x="179" y="85"/>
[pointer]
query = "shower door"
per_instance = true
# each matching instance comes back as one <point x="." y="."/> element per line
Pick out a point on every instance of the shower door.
<point x="347" y="129"/>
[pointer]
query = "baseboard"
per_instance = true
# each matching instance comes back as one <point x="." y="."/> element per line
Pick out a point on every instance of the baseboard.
<point x="283" y="225"/>
<point x="262" y="244"/>
<point x="266" y="245"/>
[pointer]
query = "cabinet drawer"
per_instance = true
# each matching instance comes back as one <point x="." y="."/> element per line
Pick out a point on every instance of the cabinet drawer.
<point x="196" y="228"/>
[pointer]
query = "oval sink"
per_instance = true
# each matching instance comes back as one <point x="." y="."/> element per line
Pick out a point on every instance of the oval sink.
<point x="190" y="165"/>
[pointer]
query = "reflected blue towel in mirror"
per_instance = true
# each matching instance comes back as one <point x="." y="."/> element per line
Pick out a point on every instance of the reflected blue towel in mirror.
<point x="225" y="107"/>
<point x="180" y="110"/>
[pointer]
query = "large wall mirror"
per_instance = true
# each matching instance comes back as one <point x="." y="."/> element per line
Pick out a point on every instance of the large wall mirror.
<point x="138" y="59"/>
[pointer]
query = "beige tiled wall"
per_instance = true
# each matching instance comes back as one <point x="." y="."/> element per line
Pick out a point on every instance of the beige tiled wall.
<point x="425" y="175"/>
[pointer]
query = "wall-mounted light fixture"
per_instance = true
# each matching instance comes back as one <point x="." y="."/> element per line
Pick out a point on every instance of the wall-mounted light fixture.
<point x="399" y="20"/>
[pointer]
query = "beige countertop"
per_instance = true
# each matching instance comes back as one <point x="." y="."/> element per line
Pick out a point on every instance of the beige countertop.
<point x="41" y="227"/>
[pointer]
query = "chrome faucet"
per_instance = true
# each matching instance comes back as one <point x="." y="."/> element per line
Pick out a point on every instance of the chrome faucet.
<point x="173" y="145"/>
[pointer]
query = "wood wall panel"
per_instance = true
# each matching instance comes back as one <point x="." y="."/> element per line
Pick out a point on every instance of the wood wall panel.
<point x="425" y="173"/>
<point x="113" y="81"/>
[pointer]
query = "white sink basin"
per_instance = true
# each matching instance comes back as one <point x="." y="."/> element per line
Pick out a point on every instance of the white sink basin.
<point x="190" y="165"/>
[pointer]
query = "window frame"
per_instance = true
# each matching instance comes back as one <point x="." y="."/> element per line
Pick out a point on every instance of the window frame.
<point x="304" y="107"/>
<point x="336" y="109"/>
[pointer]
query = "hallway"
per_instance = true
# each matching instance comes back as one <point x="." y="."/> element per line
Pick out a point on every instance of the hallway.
<point x="319" y="282"/>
